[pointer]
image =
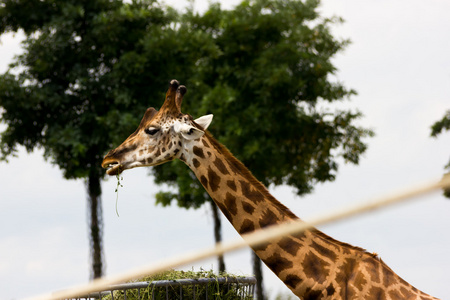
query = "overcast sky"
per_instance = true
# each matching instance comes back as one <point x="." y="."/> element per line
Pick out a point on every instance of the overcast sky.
<point x="398" y="63"/>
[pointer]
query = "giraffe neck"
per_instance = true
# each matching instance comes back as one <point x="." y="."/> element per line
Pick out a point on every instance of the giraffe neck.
<point x="311" y="264"/>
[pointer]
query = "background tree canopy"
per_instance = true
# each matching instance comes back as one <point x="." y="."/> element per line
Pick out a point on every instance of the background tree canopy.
<point x="91" y="67"/>
<point x="265" y="82"/>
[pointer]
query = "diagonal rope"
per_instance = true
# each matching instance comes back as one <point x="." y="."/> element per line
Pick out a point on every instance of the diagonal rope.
<point x="251" y="239"/>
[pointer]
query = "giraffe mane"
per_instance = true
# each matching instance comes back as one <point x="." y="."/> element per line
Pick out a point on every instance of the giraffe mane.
<point x="241" y="168"/>
<point x="346" y="245"/>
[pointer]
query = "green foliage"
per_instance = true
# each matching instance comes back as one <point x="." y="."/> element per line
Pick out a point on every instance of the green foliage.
<point x="90" y="68"/>
<point x="265" y="84"/>
<point x="436" y="129"/>
<point x="441" y="125"/>
<point x="119" y="177"/>
<point x="210" y="291"/>
<point x="86" y="75"/>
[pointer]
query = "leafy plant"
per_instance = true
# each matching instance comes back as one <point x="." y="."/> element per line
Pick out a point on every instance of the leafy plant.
<point x="438" y="128"/>
<point x="214" y="290"/>
<point x="119" y="185"/>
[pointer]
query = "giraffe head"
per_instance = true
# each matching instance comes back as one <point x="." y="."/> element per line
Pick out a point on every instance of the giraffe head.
<point x="160" y="137"/>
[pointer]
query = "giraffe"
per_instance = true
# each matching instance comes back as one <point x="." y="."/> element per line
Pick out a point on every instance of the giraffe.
<point x="311" y="264"/>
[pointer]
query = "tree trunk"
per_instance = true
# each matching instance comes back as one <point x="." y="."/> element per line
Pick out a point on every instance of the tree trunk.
<point x="218" y="233"/>
<point x="95" y="222"/>
<point x="257" y="271"/>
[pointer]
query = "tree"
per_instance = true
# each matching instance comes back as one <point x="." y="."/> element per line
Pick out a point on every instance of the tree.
<point x="266" y="87"/>
<point x="436" y="129"/>
<point x="88" y="70"/>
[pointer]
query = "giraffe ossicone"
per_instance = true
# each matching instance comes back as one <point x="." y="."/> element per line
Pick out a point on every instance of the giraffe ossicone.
<point x="311" y="264"/>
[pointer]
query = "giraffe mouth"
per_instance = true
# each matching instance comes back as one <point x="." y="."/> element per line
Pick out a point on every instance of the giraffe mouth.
<point x="112" y="166"/>
<point x="116" y="168"/>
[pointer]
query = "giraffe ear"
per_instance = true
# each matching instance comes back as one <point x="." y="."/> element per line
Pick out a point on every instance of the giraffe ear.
<point x="204" y="121"/>
<point x="187" y="131"/>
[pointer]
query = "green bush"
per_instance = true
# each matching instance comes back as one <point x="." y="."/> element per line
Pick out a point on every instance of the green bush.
<point x="213" y="290"/>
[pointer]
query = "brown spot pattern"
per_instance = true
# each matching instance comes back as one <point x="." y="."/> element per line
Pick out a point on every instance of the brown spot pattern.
<point x="395" y="295"/>
<point x="220" y="166"/>
<point x="247" y="226"/>
<point x="165" y="140"/>
<point x="360" y="281"/>
<point x="248" y="208"/>
<point x="289" y="245"/>
<point x="330" y="290"/>
<point x="311" y="294"/>
<point x="214" y="180"/>
<point x="315" y="268"/>
<point x="268" y="218"/>
<point x="225" y="211"/>
<point x="204" y="181"/>
<point x="377" y="293"/>
<point x="373" y="269"/>
<point x="388" y="277"/>
<point x="230" y="203"/>
<point x="407" y="294"/>
<point x="232" y="185"/>
<point x="292" y="280"/>
<point x="205" y="143"/>
<point x="346" y="270"/>
<point x="260" y="247"/>
<point x="344" y="275"/>
<point x="324" y="251"/>
<point x="196" y="163"/>
<point x="254" y="196"/>
<point x="277" y="263"/>
<point x="198" y="151"/>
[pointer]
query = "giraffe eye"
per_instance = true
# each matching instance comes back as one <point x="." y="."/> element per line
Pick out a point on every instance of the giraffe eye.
<point x="151" y="130"/>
